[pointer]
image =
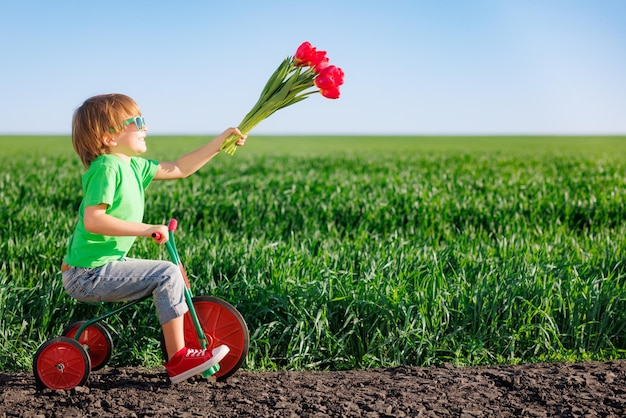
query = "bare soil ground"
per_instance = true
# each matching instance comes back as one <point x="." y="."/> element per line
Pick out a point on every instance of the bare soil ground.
<point x="540" y="390"/>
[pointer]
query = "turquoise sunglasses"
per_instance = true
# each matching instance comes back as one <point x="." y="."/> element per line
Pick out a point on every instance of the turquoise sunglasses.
<point x="139" y="122"/>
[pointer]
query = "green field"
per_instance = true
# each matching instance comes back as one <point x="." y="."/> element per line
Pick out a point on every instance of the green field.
<point x="349" y="252"/>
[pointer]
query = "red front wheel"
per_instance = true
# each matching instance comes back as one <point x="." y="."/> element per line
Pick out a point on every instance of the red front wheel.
<point x="222" y="324"/>
<point x="61" y="363"/>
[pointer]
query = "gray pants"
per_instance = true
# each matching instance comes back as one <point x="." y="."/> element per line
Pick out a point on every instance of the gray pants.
<point x="130" y="279"/>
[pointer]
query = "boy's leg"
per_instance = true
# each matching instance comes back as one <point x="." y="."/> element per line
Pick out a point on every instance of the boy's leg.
<point x="174" y="336"/>
<point x="131" y="279"/>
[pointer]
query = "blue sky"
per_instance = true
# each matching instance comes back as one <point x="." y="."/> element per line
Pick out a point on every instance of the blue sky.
<point x="411" y="66"/>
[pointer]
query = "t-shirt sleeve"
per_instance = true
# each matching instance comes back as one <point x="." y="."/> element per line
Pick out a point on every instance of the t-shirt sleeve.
<point x="99" y="187"/>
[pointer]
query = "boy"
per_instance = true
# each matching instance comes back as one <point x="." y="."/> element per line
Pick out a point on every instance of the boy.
<point x="108" y="134"/>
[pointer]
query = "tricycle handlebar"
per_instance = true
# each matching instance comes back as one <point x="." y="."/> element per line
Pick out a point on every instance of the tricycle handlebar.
<point x="172" y="225"/>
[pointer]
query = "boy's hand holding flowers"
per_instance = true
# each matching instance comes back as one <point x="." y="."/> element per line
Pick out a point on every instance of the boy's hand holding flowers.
<point x="292" y="82"/>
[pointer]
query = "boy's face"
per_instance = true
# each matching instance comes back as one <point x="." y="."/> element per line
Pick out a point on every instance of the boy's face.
<point x="130" y="142"/>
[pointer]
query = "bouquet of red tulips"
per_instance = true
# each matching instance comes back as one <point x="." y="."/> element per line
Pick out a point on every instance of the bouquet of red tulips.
<point x="292" y="82"/>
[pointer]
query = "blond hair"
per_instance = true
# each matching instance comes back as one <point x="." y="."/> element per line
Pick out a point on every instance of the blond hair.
<point x="96" y="117"/>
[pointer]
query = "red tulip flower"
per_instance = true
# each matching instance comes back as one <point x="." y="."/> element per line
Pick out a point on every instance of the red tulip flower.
<point x="329" y="77"/>
<point x="294" y="80"/>
<point x="320" y="61"/>
<point x="330" y="93"/>
<point x="308" y="56"/>
<point x="305" y="54"/>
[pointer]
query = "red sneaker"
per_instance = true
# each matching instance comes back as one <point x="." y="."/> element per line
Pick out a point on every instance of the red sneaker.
<point x="189" y="362"/>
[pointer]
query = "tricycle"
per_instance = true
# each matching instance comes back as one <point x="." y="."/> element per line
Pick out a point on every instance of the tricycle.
<point x="65" y="362"/>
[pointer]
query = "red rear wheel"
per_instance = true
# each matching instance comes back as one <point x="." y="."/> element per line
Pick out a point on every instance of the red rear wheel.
<point x="96" y="338"/>
<point x="61" y="363"/>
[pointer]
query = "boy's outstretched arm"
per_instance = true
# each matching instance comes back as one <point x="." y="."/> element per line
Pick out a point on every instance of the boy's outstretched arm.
<point x="193" y="161"/>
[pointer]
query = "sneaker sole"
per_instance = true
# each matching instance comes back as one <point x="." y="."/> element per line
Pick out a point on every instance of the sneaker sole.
<point x="218" y="355"/>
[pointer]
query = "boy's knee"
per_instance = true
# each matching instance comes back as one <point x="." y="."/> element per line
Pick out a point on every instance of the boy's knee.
<point x="173" y="270"/>
<point x="174" y="275"/>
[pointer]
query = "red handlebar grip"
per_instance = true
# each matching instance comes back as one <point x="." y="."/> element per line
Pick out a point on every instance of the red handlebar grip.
<point x="156" y="236"/>
<point x="172" y="225"/>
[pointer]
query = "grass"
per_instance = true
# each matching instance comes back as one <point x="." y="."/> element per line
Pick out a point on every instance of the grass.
<point x="351" y="252"/>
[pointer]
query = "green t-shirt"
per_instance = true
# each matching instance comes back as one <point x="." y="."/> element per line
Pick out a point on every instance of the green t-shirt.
<point x="121" y="186"/>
